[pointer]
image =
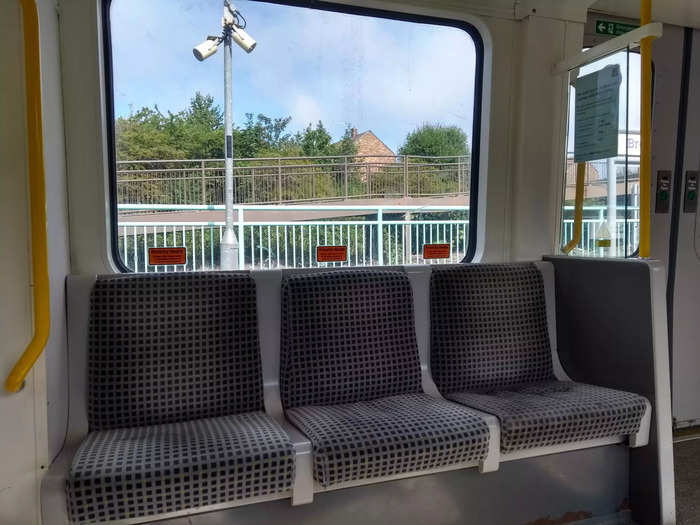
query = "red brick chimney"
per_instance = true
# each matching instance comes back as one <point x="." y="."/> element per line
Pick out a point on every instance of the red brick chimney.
<point x="353" y="133"/>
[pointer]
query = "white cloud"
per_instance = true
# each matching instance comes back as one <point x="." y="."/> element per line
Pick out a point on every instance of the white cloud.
<point x="306" y="109"/>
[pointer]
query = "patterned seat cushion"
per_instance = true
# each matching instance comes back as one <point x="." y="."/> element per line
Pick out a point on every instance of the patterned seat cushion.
<point x="557" y="412"/>
<point x="347" y="336"/>
<point x="388" y="436"/>
<point x="143" y="471"/>
<point x="172" y="347"/>
<point x="488" y="327"/>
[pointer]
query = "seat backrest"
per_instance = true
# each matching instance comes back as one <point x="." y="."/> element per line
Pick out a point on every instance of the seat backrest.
<point x="488" y="327"/>
<point x="347" y="336"/>
<point x="172" y="347"/>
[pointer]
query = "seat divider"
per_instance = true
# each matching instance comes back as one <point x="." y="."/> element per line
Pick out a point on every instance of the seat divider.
<point x="420" y="284"/>
<point x="641" y="438"/>
<point x="547" y="271"/>
<point x="419" y="275"/>
<point x="493" y="459"/>
<point x="268" y="292"/>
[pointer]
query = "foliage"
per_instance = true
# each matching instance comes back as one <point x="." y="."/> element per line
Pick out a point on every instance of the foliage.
<point x="198" y="133"/>
<point x="435" y="140"/>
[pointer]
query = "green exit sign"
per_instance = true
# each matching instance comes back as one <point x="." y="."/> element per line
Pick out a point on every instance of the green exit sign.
<point x="606" y="27"/>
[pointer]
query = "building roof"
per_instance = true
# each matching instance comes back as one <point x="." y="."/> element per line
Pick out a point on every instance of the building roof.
<point x="357" y="136"/>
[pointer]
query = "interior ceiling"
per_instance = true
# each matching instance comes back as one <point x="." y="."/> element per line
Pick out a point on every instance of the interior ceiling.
<point x="684" y="13"/>
<point x="678" y="12"/>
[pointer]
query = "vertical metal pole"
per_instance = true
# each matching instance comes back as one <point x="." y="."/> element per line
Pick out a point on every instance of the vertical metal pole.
<point x="407" y="237"/>
<point x="405" y="175"/>
<point x="204" y="186"/>
<point x="241" y="251"/>
<point x="380" y="237"/>
<point x="279" y="179"/>
<point x="229" y="244"/>
<point x="345" y="174"/>
<point x="645" y="137"/>
<point x="612" y="205"/>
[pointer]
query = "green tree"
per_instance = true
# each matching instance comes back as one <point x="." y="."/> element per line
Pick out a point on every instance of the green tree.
<point x="200" y="128"/>
<point x="346" y="146"/>
<point x="435" y="140"/>
<point x="146" y="135"/>
<point x="314" y="141"/>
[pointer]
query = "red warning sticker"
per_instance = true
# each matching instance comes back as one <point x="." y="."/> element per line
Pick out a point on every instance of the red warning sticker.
<point x="165" y="256"/>
<point x="331" y="253"/>
<point x="436" y="251"/>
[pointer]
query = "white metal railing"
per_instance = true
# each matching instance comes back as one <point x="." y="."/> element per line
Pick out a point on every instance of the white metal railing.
<point x="380" y="235"/>
<point x="374" y="236"/>
<point x="624" y="236"/>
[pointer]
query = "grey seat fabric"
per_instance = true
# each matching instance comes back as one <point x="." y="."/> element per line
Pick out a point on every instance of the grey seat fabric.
<point x="172" y="347"/>
<point x="347" y="336"/>
<point x="490" y="350"/>
<point x="557" y="412"/>
<point x="488" y="326"/>
<point x="143" y="471"/>
<point x="175" y="401"/>
<point x="390" y="435"/>
<point x="351" y="381"/>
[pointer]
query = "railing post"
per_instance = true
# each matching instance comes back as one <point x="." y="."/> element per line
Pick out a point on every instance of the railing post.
<point x="405" y="175"/>
<point x="380" y="236"/>
<point x="279" y="179"/>
<point x="241" y="243"/>
<point x="459" y="174"/>
<point x="252" y="182"/>
<point x="407" y="237"/>
<point x="369" y="182"/>
<point x="345" y="175"/>
<point x="204" y="186"/>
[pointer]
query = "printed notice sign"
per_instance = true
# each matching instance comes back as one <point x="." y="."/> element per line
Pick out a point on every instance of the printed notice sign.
<point x="331" y="253"/>
<point x="167" y="256"/>
<point x="436" y="251"/>
<point x="597" y="114"/>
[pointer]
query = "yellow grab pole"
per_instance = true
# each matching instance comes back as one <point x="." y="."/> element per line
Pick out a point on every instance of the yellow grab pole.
<point x="37" y="199"/>
<point x="578" y="208"/>
<point x="645" y="138"/>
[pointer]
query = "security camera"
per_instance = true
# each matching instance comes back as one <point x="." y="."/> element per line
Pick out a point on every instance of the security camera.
<point x="243" y="39"/>
<point x="205" y="49"/>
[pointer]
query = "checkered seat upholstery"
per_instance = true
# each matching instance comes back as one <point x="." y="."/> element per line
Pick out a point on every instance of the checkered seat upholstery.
<point x="490" y="350"/>
<point x="350" y="380"/>
<point x="175" y="403"/>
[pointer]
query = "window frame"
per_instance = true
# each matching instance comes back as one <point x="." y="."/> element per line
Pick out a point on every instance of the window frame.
<point x="559" y="243"/>
<point x="470" y="29"/>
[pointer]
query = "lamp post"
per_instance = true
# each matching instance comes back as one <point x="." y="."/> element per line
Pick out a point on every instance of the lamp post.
<point x="233" y="24"/>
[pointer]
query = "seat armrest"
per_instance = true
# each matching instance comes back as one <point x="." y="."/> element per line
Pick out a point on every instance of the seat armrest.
<point x="303" y="488"/>
<point x="641" y="438"/>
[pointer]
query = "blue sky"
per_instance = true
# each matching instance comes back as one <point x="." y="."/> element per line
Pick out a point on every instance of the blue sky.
<point x="377" y="74"/>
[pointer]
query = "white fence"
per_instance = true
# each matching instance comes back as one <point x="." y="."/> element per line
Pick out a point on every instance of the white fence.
<point x="389" y="235"/>
<point x="624" y="237"/>
<point x="374" y="236"/>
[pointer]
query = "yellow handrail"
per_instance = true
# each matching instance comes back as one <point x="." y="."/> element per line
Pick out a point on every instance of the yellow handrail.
<point x="645" y="138"/>
<point x="578" y="208"/>
<point x="37" y="199"/>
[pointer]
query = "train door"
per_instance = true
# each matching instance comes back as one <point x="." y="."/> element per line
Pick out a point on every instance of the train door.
<point x="675" y="234"/>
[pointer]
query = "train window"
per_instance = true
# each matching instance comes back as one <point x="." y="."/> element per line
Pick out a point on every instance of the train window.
<point x="354" y="135"/>
<point x="610" y="225"/>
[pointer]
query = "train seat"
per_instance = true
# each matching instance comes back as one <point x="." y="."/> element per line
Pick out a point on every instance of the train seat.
<point x="175" y="400"/>
<point x="492" y="349"/>
<point x="350" y="380"/>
